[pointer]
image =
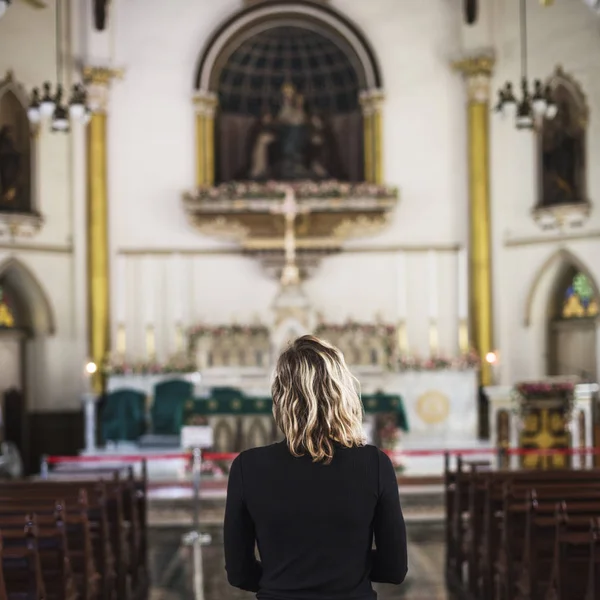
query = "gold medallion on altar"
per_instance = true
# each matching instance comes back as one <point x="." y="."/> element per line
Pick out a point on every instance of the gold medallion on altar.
<point x="433" y="407"/>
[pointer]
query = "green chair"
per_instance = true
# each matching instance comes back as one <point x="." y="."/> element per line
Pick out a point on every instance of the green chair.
<point x="167" y="409"/>
<point x="123" y="416"/>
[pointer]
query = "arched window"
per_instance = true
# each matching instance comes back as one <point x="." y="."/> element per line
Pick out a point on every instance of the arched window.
<point x="579" y="300"/>
<point x="562" y="146"/>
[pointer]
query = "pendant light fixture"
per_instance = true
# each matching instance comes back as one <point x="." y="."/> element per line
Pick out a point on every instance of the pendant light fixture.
<point x="529" y="108"/>
<point x="50" y="105"/>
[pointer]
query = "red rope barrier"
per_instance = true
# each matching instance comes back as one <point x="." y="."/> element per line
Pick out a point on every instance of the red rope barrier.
<point x="217" y="456"/>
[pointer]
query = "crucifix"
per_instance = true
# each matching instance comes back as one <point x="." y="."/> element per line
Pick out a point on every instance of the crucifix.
<point x="290" y="209"/>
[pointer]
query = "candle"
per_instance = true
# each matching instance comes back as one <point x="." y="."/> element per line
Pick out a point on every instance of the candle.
<point x="121" y="340"/>
<point x="402" y="338"/>
<point x="179" y="346"/>
<point x="434" y="338"/>
<point x="433" y="284"/>
<point x="401" y="287"/>
<point x="150" y="342"/>
<point x="463" y="285"/>
<point x="463" y="336"/>
<point x="121" y="289"/>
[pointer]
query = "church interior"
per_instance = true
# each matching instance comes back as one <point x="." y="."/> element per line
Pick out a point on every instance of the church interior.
<point x="187" y="186"/>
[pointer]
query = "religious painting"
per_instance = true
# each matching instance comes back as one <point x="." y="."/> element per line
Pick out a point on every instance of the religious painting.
<point x="563" y="150"/>
<point x="289" y="110"/>
<point x="15" y="151"/>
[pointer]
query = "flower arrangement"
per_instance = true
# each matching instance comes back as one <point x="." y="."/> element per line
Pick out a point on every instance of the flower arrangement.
<point x="276" y="190"/>
<point x="464" y="362"/>
<point x="389" y="435"/>
<point x="121" y="366"/>
<point x="543" y="390"/>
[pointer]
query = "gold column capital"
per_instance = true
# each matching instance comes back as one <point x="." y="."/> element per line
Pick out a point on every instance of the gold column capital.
<point x="205" y="103"/>
<point x="477" y="71"/>
<point x="97" y="81"/>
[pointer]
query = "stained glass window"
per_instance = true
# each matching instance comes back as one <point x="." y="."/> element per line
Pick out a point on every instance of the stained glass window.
<point x="579" y="299"/>
<point x="7" y="318"/>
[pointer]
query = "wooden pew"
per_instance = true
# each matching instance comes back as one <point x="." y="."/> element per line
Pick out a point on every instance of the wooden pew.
<point x="475" y="508"/>
<point x="488" y="492"/>
<point x="22" y="572"/>
<point x="52" y="552"/>
<point x="94" y="506"/>
<point x="574" y="561"/>
<point x="456" y="490"/>
<point x="76" y="529"/>
<point x="525" y="557"/>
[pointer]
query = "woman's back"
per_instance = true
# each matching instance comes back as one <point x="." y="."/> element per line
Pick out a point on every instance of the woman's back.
<point x="314" y="524"/>
<point x="314" y="502"/>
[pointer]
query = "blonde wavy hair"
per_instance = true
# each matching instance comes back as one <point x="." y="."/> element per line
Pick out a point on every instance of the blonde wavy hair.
<point x="316" y="399"/>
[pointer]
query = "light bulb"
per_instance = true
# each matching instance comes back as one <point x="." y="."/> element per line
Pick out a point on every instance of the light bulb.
<point x="551" y="110"/>
<point x="4" y="4"/>
<point x="77" y="111"/>
<point x="47" y="104"/>
<point x="91" y="368"/>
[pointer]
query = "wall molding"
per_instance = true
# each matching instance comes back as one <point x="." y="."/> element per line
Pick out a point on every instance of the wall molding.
<point x="354" y="249"/>
<point x="563" y="237"/>
<point x="41" y="248"/>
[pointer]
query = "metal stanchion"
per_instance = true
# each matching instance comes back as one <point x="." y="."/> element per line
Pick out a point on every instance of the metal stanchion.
<point x="44" y="467"/>
<point x="190" y="548"/>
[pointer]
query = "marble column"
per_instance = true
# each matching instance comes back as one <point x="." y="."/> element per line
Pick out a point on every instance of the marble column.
<point x="477" y="71"/>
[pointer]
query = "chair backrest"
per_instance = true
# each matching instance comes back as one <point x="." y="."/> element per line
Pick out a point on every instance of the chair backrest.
<point x="167" y="409"/>
<point x="123" y="415"/>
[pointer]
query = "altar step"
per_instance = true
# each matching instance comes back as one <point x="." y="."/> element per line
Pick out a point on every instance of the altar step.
<point x="422" y="503"/>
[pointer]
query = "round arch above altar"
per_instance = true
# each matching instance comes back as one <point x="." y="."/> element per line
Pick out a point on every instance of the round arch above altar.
<point x="263" y="16"/>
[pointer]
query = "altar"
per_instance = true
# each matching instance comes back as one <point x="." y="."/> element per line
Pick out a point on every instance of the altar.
<point x="411" y="409"/>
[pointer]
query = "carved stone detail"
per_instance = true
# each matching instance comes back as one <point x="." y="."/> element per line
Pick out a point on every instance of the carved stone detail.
<point x="97" y="81"/>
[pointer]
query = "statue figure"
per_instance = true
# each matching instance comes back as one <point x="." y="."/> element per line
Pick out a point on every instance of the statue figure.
<point x="10" y="162"/>
<point x="293" y="134"/>
<point x="293" y="145"/>
<point x="317" y="154"/>
<point x="562" y="159"/>
<point x="260" y="163"/>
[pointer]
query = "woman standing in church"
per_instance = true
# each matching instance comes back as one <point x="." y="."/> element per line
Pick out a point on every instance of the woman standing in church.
<point x="314" y="502"/>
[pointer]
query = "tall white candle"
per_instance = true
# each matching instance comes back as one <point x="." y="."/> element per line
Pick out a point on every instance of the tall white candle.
<point x="462" y="285"/>
<point x="402" y="290"/>
<point x="433" y="284"/>
<point x="150" y="342"/>
<point x="121" y="339"/>
<point x="149" y="272"/>
<point x="176" y="284"/>
<point x="120" y="289"/>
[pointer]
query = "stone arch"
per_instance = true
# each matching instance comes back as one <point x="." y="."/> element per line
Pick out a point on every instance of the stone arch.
<point x="16" y="136"/>
<point x="548" y="278"/>
<point x="38" y="315"/>
<point x="560" y="346"/>
<point x="562" y="147"/>
<point x="251" y="20"/>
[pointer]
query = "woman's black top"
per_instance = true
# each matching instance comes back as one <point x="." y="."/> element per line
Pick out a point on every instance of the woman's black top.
<point x="314" y="524"/>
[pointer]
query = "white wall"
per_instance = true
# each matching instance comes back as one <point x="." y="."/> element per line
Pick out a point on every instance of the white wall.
<point x="567" y="34"/>
<point x="28" y="48"/>
<point x="152" y="163"/>
<point x="190" y="277"/>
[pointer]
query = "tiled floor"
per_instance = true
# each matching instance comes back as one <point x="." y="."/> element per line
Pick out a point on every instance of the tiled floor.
<point x="425" y="580"/>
